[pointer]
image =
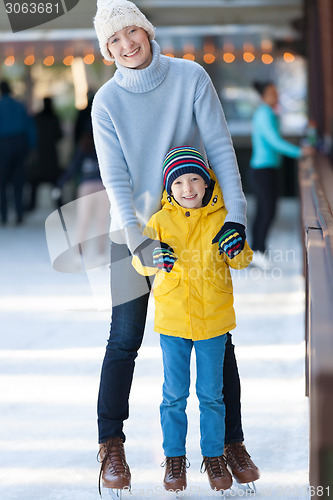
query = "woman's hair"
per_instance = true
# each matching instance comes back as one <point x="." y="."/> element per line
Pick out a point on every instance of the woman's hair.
<point x="260" y="87"/>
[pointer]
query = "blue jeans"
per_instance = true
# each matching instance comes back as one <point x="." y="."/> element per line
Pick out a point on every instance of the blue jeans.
<point x="176" y="363"/>
<point x="130" y="294"/>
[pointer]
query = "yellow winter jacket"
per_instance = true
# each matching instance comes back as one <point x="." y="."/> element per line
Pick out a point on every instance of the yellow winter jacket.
<point x="194" y="300"/>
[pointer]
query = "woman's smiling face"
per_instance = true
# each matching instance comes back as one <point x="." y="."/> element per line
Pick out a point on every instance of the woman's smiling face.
<point x="131" y="48"/>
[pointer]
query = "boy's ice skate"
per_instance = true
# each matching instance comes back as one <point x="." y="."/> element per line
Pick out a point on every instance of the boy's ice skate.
<point x="240" y="464"/>
<point x="175" y="473"/>
<point x="115" y="473"/>
<point x="218" y="475"/>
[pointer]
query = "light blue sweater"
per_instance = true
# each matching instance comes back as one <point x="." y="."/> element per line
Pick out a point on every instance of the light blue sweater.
<point x="267" y="143"/>
<point x="138" y="115"/>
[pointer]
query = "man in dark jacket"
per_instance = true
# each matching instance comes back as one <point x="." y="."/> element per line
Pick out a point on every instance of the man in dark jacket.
<point x="16" y="138"/>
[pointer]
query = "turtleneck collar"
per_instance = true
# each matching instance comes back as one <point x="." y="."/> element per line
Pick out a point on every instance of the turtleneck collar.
<point x="143" y="80"/>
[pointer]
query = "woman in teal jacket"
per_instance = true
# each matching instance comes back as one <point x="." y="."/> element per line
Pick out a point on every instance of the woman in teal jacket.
<point x="267" y="148"/>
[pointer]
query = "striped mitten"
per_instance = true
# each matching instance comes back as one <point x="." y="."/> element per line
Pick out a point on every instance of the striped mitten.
<point x="231" y="239"/>
<point x="164" y="257"/>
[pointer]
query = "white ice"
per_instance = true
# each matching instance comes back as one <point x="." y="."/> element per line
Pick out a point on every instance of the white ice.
<point x="54" y="328"/>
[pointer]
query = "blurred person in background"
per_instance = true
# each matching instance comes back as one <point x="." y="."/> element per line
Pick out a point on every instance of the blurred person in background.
<point x="17" y="138"/>
<point x="83" y="117"/>
<point x="91" y="210"/>
<point x="267" y="149"/>
<point x="44" y="166"/>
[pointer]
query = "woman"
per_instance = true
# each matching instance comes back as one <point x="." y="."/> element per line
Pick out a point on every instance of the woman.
<point x="267" y="148"/>
<point x="151" y="104"/>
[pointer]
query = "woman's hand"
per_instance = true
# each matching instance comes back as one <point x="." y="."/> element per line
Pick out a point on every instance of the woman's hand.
<point x="231" y="239"/>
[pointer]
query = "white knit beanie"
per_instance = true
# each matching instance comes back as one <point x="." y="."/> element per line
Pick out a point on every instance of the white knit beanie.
<point x="113" y="16"/>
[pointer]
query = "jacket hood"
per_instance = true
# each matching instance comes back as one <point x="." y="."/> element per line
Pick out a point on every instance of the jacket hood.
<point x="213" y="193"/>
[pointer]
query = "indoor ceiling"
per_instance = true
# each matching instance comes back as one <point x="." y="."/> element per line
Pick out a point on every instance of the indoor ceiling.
<point x="180" y="13"/>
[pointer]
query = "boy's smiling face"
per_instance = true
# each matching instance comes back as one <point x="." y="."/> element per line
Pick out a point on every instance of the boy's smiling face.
<point x="188" y="190"/>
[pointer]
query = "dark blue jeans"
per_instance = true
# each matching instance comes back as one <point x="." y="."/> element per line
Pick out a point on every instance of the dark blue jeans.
<point x="126" y="334"/>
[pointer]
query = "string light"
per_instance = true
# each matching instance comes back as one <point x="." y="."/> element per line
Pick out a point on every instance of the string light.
<point x="267" y="58"/>
<point x="288" y="57"/>
<point x="68" y="60"/>
<point x="29" y="60"/>
<point x="9" y="61"/>
<point x="48" y="61"/>
<point x="190" y="57"/>
<point x="249" y="57"/>
<point x="209" y="58"/>
<point x="189" y="51"/>
<point x="89" y="59"/>
<point x="208" y="55"/>
<point x="209" y="52"/>
<point x="228" y="57"/>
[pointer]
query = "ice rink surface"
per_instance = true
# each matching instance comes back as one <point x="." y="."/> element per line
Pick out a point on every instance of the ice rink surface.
<point x="54" y="328"/>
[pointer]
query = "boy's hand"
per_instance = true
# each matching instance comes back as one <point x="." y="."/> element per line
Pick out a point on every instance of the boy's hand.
<point x="231" y="239"/>
<point x="164" y="257"/>
<point x="155" y="253"/>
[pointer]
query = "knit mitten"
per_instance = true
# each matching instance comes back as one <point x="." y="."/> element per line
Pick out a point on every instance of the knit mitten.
<point x="164" y="258"/>
<point x="152" y="253"/>
<point x="231" y="239"/>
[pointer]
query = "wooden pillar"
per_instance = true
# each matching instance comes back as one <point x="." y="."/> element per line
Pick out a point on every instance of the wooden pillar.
<point x="319" y="50"/>
<point x="325" y="8"/>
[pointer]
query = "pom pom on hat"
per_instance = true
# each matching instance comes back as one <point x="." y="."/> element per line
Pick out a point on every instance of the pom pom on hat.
<point x="113" y="16"/>
<point x="183" y="160"/>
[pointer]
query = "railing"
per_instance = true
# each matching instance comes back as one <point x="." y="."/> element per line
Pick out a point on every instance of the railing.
<point x="316" y="190"/>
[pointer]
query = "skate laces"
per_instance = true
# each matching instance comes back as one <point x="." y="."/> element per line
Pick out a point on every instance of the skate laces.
<point x="114" y="458"/>
<point x="176" y="466"/>
<point x="236" y="453"/>
<point x="215" y="466"/>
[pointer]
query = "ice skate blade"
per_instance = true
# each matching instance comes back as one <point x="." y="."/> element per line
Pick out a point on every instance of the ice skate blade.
<point x="174" y="494"/>
<point x="249" y="488"/>
<point x="115" y="494"/>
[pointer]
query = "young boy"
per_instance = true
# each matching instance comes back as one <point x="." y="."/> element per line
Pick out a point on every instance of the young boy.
<point x="193" y="308"/>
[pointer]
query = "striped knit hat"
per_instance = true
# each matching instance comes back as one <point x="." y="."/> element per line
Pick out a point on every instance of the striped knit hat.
<point x="184" y="160"/>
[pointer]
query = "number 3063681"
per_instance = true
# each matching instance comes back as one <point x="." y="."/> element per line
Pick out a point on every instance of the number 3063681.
<point x="32" y="8"/>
